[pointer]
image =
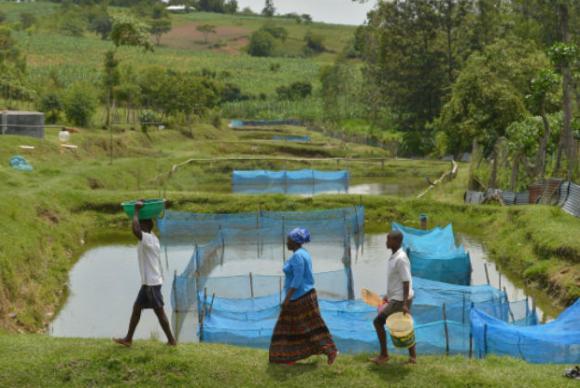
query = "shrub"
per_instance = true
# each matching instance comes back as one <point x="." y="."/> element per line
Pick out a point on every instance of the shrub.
<point x="51" y="104"/>
<point x="80" y="104"/>
<point x="262" y="44"/>
<point x="314" y="43"/>
<point x="276" y="31"/>
<point x="27" y="20"/>
<point x="295" y="91"/>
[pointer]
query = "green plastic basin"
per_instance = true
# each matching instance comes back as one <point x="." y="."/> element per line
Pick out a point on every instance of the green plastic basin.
<point x="152" y="208"/>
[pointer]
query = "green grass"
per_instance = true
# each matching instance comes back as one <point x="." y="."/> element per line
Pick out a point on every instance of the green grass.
<point x="34" y="360"/>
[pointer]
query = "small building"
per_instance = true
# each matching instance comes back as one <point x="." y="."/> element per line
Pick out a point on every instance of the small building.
<point x="22" y="123"/>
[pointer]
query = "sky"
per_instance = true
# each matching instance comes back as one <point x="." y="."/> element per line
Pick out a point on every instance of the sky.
<point x="328" y="11"/>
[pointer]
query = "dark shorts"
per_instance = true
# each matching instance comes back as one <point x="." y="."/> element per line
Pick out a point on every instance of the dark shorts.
<point x="150" y="297"/>
<point x="394" y="306"/>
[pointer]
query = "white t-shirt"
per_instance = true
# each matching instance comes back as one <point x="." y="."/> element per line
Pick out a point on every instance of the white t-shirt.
<point x="149" y="254"/>
<point x="399" y="271"/>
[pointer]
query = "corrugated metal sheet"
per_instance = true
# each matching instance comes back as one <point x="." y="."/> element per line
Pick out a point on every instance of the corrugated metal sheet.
<point x="572" y="203"/>
<point x="474" y="197"/>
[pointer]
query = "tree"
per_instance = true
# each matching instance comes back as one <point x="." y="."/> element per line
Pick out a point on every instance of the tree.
<point x="541" y="102"/>
<point x="231" y="7"/>
<point x="564" y="54"/>
<point x="80" y="104"/>
<point x="341" y="91"/>
<point x="128" y="31"/>
<point x="262" y="44"/>
<point x="206" y="29"/>
<point x="52" y="106"/>
<point x="102" y="25"/>
<point x="522" y="139"/>
<point x="489" y="96"/>
<point x="269" y="9"/>
<point x="159" y="27"/>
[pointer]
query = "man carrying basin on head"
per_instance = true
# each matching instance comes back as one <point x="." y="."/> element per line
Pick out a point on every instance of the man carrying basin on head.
<point x="149" y="297"/>
<point x="399" y="295"/>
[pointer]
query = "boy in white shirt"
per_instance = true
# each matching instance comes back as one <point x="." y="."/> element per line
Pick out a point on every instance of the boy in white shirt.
<point x="399" y="295"/>
<point x="149" y="297"/>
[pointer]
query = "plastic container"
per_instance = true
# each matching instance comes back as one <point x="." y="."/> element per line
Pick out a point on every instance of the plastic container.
<point x="151" y="209"/>
<point x="402" y="330"/>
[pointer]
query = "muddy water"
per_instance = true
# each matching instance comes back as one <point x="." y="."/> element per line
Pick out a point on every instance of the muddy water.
<point x="105" y="281"/>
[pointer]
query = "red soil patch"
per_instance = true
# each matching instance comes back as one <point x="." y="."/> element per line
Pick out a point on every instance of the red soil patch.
<point x="186" y="36"/>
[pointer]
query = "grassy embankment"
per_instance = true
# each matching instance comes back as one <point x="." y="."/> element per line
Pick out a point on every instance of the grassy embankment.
<point x="34" y="360"/>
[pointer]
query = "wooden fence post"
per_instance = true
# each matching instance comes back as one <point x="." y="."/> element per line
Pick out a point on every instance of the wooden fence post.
<point x="446" y="330"/>
<point x="486" y="273"/>
<point x="251" y="285"/>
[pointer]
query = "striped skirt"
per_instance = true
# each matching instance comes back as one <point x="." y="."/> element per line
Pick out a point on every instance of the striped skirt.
<point x="300" y="332"/>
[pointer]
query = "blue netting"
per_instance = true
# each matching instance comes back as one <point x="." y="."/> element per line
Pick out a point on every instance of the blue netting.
<point x="297" y="139"/>
<point x="263" y="123"/>
<point x="324" y="225"/>
<point x="435" y="256"/>
<point x="288" y="177"/>
<point x="350" y="323"/>
<point x="554" y="342"/>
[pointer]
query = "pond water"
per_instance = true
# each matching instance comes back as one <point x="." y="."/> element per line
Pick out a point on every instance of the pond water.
<point x="328" y="11"/>
<point x="105" y="281"/>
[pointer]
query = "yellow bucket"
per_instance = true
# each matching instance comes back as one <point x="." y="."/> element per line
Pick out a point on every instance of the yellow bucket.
<point x="401" y="328"/>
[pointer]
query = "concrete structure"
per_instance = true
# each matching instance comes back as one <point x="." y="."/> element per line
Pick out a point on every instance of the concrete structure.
<point x="22" y="123"/>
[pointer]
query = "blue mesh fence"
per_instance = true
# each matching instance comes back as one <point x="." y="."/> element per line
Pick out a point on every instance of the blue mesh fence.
<point x="254" y="177"/>
<point x="555" y="342"/>
<point x="350" y="324"/>
<point x="263" y="123"/>
<point x="324" y="225"/>
<point x="296" y="139"/>
<point x="435" y="256"/>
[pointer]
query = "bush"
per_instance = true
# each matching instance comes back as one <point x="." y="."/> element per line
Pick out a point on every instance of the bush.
<point x="216" y="120"/>
<point x="72" y="26"/>
<point x="314" y="43"/>
<point x="276" y="31"/>
<point x="295" y="91"/>
<point x="80" y="104"/>
<point x="262" y="44"/>
<point x="51" y="104"/>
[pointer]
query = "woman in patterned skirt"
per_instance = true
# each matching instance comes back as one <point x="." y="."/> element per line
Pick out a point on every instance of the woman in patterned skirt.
<point x="300" y="331"/>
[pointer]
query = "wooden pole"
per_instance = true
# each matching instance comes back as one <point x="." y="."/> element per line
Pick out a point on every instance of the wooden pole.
<point x="508" y="305"/>
<point x="251" y="285"/>
<point x="211" y="304"/>
<point x="470" y="344"/>
<point x="204" y="298"/>
<point x="486" y="273"/>
<point x="175" y="291"/>
<point x="485" y="339"/>
<point x="499" y="279"/>
<point x="446" y="330"/>
<point x="463" y="310"/>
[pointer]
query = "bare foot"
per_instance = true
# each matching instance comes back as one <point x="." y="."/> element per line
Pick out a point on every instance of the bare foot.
<point x="379" y="360"/>
<point x="123" y="342"/>
<point x="332" y="357"/>
<point x="172" y="343"/>
<point x="411" y="361"/>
